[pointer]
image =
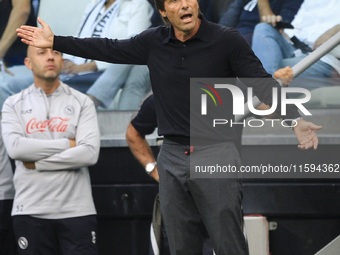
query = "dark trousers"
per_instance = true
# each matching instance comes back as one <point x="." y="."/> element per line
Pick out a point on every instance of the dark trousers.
<point x="161" y="237"/>
<point x="192" y="208"/>
<point x="7" y="241"/>
<point x="70" y="236"/>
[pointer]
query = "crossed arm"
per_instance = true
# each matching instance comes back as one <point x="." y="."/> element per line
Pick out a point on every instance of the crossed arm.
<point x="52" y="154"/>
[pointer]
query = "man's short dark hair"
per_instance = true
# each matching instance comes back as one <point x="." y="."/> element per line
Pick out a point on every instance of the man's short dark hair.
<point x="160" y="4"/>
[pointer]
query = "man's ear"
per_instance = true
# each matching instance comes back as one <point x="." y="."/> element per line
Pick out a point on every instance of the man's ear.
<point x="163" y="14"/>
<point x="28" y="63"/>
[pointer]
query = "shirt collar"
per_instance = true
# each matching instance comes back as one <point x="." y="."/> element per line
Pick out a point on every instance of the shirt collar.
<point x="60" y="88"/>
<point x="203" y="32"/>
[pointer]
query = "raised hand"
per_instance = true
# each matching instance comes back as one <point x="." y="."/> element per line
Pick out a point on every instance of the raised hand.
<point x="306" y="134"/>
<point x="37" y="37"/>
<point x="285" y="75"/>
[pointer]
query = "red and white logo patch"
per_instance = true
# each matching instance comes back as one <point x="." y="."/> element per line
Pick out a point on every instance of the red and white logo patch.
<point x="55" y="124"/>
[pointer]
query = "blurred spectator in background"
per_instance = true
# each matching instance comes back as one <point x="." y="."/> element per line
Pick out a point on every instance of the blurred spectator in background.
<point x="244" y="14"/>
<point x="213" y="9"/>
<point x="113" y="19"/>
<point x="134" y="17"/>
<point x="13" y="14"/>
<point x="119" y="19"/>
<point x="134" y="80"/>
<point x="314" y="24"/>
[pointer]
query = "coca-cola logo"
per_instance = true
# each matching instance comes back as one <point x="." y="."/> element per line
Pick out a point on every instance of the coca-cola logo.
<point x="55" y="124"/>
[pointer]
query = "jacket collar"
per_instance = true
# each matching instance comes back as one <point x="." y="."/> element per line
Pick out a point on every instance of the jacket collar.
<point x="61" y="88"/>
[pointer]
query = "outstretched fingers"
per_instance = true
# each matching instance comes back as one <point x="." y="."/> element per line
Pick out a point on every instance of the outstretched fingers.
<point x="306" y="134"/>
<point x="310" y="140"/>
<point x="27" y="28"/>
<point x="27" y="42"/>
<point x="315" y="142"/>
<point x="38" y="37"/>
<point x="42" y="23"/>
<point x="26" y="34"/>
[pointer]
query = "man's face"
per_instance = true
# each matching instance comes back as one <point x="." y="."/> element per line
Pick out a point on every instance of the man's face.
<point x="46" y="64"/>
<point x="182" y="14"/>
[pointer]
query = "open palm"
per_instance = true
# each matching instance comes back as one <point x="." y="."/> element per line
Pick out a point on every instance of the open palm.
<point x="306" y="135"/>
<point x="37" y="37"/>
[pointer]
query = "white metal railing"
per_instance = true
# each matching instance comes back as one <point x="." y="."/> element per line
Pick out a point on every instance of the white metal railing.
<point x="300" y="67"/>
